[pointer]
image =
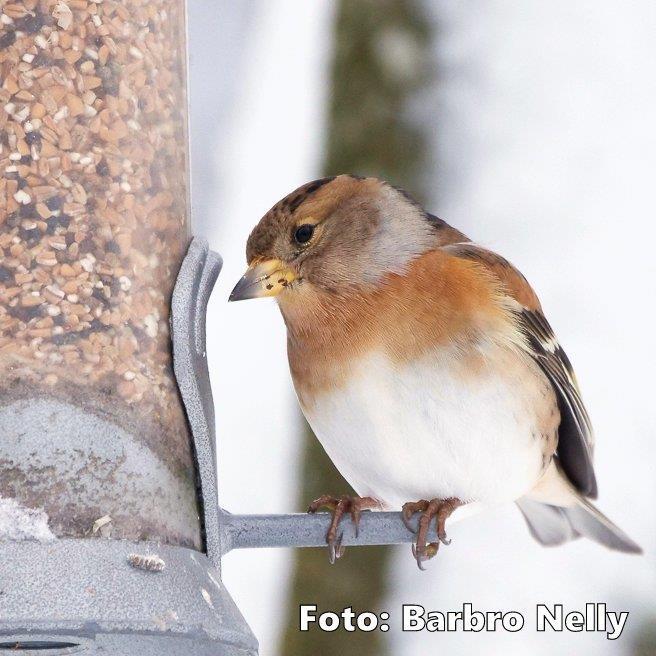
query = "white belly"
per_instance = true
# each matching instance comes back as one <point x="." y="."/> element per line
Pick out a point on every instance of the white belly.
<point x="430" y="430"/>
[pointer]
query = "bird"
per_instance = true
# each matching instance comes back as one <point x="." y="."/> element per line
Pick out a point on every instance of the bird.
<point x="425" y="366"/>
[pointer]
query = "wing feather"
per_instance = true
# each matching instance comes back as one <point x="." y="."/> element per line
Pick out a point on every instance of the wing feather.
<point x="575" y="436"/>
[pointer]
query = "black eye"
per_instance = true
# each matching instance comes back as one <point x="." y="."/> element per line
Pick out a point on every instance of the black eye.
<point x="304" y="233"/>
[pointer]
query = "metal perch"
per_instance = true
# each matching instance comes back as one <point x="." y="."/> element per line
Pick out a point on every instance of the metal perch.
<point x="300" y="530"/>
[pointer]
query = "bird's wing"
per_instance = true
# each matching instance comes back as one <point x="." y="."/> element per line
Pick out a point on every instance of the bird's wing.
<point x="575" y="436"/>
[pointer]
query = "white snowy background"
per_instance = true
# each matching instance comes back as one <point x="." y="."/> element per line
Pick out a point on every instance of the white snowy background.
<point x="544" y="148"/>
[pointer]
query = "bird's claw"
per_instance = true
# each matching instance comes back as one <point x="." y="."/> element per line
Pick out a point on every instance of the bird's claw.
<point x="438" y="509"/>
<point x="339" y="506"/>
<point x="410" y="509"/>
<point x="356" y="514"/>
<point x="335" y="549"/>
<point x="423" y="554"/>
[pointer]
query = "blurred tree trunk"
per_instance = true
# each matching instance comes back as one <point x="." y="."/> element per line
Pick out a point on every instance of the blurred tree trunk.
<point x="382" y="61"/>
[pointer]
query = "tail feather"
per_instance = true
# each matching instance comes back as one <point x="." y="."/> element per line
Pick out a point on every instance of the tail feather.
<point x="547" y="524"/>
<point x="586" y="520"/>
<point x="553" y="525"/>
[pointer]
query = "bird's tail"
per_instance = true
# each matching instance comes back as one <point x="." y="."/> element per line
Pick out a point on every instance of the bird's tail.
<point x="552" y="525"/>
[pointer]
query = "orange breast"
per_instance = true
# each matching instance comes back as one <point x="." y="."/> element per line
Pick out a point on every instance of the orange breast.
<point x="441" y="301"/>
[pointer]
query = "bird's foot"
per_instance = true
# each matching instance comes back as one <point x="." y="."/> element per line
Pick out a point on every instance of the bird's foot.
<point x="440" y="509"/>
<point x="338" y="507"/>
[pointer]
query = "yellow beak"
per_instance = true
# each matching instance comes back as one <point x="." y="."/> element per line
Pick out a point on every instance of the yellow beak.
<point x="265" y="278"/>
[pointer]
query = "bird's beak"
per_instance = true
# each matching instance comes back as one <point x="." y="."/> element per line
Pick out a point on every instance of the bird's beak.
<point x="264" y="278"/>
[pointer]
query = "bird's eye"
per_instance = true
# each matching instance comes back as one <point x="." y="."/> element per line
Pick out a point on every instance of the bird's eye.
<point x="303" y="233"/>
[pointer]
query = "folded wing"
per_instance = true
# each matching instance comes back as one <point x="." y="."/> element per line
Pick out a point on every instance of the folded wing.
<point x="575" y="436"/>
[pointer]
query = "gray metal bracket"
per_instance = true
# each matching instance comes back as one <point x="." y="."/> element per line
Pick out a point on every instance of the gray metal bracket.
<point x="198" y="273"/>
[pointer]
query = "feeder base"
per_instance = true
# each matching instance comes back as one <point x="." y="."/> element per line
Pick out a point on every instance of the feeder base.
<point x="83" y="596"/>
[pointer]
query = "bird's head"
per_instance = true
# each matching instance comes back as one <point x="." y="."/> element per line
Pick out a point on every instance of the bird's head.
<point x="336" y="235"/>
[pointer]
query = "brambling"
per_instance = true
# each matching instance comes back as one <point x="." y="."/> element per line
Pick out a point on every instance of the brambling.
<point x="424" y="365"/>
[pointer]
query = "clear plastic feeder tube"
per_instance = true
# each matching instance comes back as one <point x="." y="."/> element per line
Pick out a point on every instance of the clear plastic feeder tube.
<point x="93" y="226"/>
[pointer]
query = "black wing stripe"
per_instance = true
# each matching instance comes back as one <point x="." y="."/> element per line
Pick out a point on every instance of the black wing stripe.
<point x="553" y="357"/>
<point x="575" y="434"/>
<point x="573" y="396"/>
<point x="572" y="399"/>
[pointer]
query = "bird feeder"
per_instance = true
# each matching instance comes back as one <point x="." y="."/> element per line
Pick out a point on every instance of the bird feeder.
<point x="111" y="535"/>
